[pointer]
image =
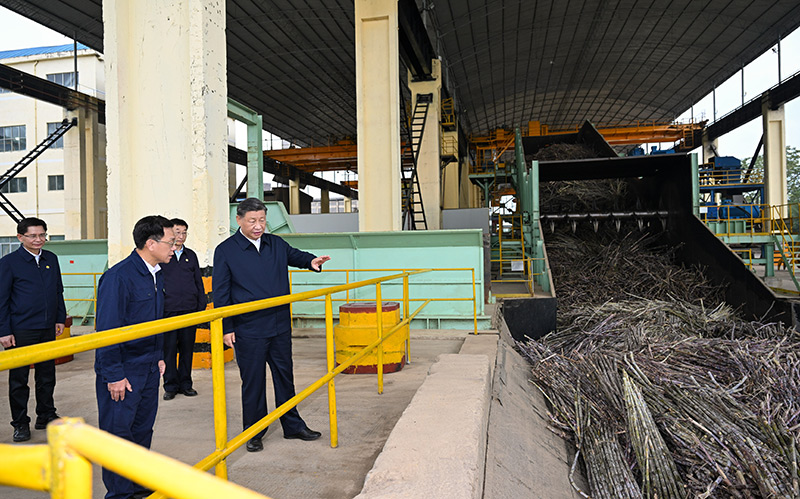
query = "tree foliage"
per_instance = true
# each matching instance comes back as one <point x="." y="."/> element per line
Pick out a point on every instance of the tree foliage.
<point x="792" y="171"/>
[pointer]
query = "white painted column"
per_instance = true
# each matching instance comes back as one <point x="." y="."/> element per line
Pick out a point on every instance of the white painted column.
<point x="709" y="146"/>
<point x="430" y="156"/>
<point x="348" y="206"/>
<point x="166" y="97"/>
<point x="774" y="123"/>
<point x="377" y="113"/>
<point x="450" y="176"/>
<point x="84" y="178"/>
<point x="294" y="196"/>
<point x="325" y="201"/>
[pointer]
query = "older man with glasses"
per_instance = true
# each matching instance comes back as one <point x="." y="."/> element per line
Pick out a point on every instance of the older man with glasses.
<point x="32" y="311"/>
<point x="132" y="292"/>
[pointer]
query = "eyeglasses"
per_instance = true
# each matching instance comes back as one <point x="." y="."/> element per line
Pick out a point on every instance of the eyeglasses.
<point x="35" y="236"/>
<point x="171" y="243"/>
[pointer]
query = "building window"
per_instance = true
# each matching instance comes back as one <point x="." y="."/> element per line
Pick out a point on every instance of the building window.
<point x="15" y="185"/>
<point x="55" y="182"/>
<point x="65" y="79"/>
<point x="12" y="138"/>
<point x="8" y="244"/>
<point x="56" y="237"/>
<point x="51" y="127"/>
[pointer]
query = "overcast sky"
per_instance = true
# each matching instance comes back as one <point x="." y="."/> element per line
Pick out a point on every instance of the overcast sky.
<point x="19" y="32"/>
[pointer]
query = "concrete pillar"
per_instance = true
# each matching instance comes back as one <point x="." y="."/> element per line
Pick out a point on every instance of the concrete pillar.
<point x="294" y="196"/>
<point x="348" y="206"/>
<point x="451" y="179"/>
<point x="465" y="200"/>
<point x="774" y="123"/>
<point x="377" y="113"/>
<point x="166" y="95"/>
<point x="325" y="201"/>
<point x="85" y="189"/>
<point x="450" y="186"/>
<point x="709" y="147"/>
<point x="430" y="156"/>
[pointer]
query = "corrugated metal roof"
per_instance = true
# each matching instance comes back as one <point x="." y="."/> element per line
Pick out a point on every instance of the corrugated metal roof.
<point x="11" y="54"/>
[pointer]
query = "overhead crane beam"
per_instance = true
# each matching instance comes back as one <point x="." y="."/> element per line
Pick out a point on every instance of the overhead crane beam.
<point x="285" y="171"/>
<point x="323" y="158"/>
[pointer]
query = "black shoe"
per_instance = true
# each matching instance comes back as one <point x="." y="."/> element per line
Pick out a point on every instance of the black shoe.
<point x="22" y="432"/>
<point x="189" y="392"/>
<point x="254" y="445"/>
<point x="41" y="424"/>
<point x="305" y="434"/>
<point x="169" y="395"/>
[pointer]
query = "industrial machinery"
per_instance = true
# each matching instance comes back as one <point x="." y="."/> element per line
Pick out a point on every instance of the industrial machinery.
<point x="661" y="193"/>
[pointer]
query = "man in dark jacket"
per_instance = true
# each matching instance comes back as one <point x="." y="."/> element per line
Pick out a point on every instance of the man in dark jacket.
<point x="132" y="292"/>
<point x="252" y="265"/>
<point x="31" y="312"/>
<point x="183" y="294"/>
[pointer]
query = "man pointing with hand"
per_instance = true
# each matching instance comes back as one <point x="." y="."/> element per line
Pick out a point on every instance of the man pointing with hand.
<point x="253" y="265"/>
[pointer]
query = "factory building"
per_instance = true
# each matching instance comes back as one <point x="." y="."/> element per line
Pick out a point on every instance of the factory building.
<point x="528" y="301"/>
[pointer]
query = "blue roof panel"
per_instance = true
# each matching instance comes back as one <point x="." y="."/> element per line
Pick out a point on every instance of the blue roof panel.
<point x="10" y="54"/>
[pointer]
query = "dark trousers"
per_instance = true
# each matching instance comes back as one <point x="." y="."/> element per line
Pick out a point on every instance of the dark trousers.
<point x="178" y="355"/>
<point x="44" y="376"/>
<point x="131" y="419"/>
<point x="253" y="355"/>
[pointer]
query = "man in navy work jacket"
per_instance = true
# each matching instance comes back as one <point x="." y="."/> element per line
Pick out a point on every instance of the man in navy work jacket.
<point x="252" y="265"/>
<point x="184" y="294"/>
<point x="132" y="292"/>
<point x="31" y="311"/>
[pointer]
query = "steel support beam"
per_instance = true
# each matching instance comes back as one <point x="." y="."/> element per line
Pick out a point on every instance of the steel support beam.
<point x="777" y="96"/>
<point x="285" y="172"/>
<point x="29" y="85"/>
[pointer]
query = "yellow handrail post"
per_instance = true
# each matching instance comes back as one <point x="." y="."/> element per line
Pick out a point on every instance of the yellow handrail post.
<point x="71" y="473"/>
<point x="406" y="314"/>
<point x="94" y="284"/>
<point x="218" y="387"/>
<point x="331" y="353"/>
<point x="474" y="303"/>
<point x="379" y="310"/>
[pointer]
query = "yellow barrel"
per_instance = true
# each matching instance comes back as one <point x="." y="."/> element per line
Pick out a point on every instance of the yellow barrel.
<point x="62" y="336"/>
<point x="358" y="327"/>
<point x="201" y="355"/>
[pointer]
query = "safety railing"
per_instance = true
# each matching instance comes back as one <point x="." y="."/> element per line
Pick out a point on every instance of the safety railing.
<point x="738" y="219"/>
<point x="31" y="466"/>
<point x="711" y="178"/>
<point x="746" y="254"/>
<point x="349" y="297"/>
<point x="71" y="284"/>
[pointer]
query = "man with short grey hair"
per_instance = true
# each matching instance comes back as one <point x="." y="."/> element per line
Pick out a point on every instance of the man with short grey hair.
<point x="253" y="265"/>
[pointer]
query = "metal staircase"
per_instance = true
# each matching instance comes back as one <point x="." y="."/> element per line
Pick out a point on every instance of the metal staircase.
<point x="414" y="128"/>
<point x="20" y="165"/>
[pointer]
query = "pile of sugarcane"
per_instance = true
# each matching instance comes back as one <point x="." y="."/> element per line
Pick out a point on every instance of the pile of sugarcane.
<point x="590" y="268"/>
<point x="665" y="391"/>
<point x="573" y="196"/>
<point x="669" y="399"/>
<point x="560" y="152"/>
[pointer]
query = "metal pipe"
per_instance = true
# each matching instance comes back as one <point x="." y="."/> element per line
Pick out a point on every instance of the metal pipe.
<point x="379" y="311"/>
<point x="331" y="362"/>
<point x="218" y="387"/>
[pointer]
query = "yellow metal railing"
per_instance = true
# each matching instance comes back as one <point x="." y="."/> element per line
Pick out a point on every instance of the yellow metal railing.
<point x="349" y="299"/>
<point x="83" y="444"/>
<point x="739" y="219"/>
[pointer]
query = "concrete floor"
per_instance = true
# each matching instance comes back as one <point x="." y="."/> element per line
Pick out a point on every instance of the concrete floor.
<point x="522" y="458"/>
<point x="285" y="468"/>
